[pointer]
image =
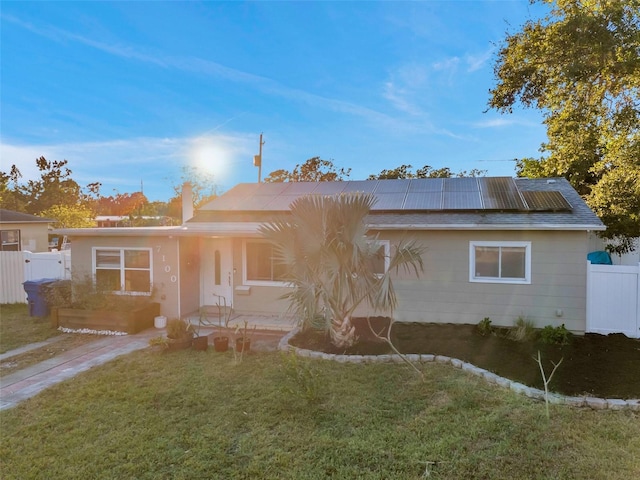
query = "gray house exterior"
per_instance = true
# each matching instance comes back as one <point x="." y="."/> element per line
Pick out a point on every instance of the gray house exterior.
<point x="495" y="247"/>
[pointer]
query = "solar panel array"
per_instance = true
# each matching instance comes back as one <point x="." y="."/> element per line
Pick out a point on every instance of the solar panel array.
<point x="422" y="194"/>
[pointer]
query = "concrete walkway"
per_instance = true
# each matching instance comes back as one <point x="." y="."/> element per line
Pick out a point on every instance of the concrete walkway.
<point x="30" y="381"/>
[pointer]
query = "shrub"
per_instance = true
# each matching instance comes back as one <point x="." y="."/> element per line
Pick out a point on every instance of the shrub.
<point x="484" y="326"/>
<point x="178" y="329"/>
<point x="523" y="330"/>
<point x="84" y="294"/>
<point x="556" y="335"/>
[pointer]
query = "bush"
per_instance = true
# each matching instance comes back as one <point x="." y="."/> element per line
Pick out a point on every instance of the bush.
<point x="178" y="329"/>
<point x="484" y="326"/>
<point x="84" y="294"/>
<point x="523" y="330"/>
<point x="556" y="335"/>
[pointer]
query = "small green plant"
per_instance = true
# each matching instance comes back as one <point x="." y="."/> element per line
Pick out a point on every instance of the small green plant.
<point x="556" y="335"/>
<point x="546" y="380"/>
<point x="523" y="330"/>
<point x="158" y="341"/>
<point x="178" y="329"/>
<point x="484" y="326"/>
<point x="302" y="379"/>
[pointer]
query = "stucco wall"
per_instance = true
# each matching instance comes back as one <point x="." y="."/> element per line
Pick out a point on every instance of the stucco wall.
<point x="444" y="294"/>
<point x="34" y="237"/>
<point x="165" y="264"/>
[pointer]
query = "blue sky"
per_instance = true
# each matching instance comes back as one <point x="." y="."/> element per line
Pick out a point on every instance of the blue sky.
<point x="131" y="92"/>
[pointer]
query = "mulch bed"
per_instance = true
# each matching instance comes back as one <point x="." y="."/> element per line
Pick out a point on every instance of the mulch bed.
<point x="595" y="365"/>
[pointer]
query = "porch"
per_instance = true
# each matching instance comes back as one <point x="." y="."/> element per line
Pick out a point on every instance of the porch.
<point x="210" y="319"/>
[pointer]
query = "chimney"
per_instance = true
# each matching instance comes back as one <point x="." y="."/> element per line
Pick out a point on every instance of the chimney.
<point x="187" y="202"/>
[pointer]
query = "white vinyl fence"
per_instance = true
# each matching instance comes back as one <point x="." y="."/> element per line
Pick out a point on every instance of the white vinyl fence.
<point x="19" y="267"/>
<point x="613" y="299"/>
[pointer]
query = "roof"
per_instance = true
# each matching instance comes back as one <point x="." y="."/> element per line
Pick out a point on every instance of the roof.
<point x="429" y="203"/>
<point x="484" y="203"/>
<point x="9" y="216"/>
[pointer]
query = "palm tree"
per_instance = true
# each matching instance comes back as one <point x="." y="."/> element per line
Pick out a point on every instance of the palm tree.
<point x="331" y="261"/>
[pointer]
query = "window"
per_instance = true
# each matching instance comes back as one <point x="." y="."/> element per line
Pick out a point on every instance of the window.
<point x="381" y="260"/>
<point x="126" y="270"/>
<point x="260" y="266"/>
<point x="10" y="241"/>
<point x="500" y="262"/>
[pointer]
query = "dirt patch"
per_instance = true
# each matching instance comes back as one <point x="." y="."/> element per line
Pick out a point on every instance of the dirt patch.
<point x="595" y="365"/>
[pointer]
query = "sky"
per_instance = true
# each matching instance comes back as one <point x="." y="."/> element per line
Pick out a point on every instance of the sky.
<point x="131" y="93"/>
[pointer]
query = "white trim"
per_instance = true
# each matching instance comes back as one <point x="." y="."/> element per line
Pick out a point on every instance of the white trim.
<point x="472" y="262"/>
<point x="122" y="269"/>
<point x="483" y="226"/>
<point x="263" y="283"/>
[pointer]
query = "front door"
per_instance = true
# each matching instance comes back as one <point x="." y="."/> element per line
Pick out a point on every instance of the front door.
<point x="217" y="273"/>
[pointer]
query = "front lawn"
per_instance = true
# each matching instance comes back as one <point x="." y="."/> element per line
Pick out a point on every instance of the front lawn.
<point x="200" y="415"/>
<point x="17" y="328"/>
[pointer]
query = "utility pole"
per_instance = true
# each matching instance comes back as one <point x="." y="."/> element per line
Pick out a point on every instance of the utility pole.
<point x="257" y="160"/>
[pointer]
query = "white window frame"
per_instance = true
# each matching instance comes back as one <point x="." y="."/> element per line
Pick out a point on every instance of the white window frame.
<point x="122" y="268"/>
<point x="387" y="254"/>
<point x="245" y="280"/>
<point x="519" y="281"/>
<point x="18" y="243"/>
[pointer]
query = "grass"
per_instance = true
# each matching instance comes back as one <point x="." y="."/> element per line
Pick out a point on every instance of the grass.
<point x="199" y="415"/>
<point x="17" y="328"/>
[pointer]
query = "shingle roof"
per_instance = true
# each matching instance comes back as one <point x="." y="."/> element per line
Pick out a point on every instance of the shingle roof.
<point x="9" y="216"/>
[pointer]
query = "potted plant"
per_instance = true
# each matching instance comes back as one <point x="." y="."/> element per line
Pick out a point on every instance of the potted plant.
<point x="179" y="334"/>
<point x="243" y="342"/>
<point x="201" y="343"/>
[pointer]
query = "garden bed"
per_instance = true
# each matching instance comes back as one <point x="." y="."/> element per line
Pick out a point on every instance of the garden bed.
<point x="594" y="365"/>
<point x="132" y="321"/>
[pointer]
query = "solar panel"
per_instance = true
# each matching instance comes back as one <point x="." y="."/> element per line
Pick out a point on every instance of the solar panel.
<point x="330" y="188"/>
<point x="300" y="188"/>
<point x="461" y="201"/>
<point x="466" y="184"/>
<point x="270" y="188"/>
<point x="500" y="193"/>
<point x="389" y="201"/>
<point x="423" y="201"/>
<point x="366" y="186"/>
<point x="392" y="186"/>
<point x="279" y="203"/>
<point x="426" y="185"/>
<point x="552" y="201"/>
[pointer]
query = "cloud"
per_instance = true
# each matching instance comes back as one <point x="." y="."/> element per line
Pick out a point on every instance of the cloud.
<point x="476" y="62"/>
<point x="504" y="122"/>
<point x="207" y="67"/>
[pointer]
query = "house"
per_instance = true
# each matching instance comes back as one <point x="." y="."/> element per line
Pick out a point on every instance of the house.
<point x="496" y="247"/>
<point x="21" y="231"/>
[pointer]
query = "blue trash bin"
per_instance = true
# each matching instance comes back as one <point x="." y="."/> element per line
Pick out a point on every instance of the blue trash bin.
<point x="35" y="296"/>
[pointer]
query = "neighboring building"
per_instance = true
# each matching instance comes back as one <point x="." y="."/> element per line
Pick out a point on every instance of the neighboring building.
<point x="495" y="247"/>
<point x="119" y="221"/>
<point x="21" y="231"/>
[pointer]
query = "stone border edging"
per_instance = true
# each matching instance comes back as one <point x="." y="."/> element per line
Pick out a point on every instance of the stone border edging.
<point x="594" y="403"/>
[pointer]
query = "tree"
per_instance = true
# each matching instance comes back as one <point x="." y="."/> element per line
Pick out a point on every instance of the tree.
<point x="313" y="170"/>
<point x="203" y="188"/>
<point x="580" y="65"/>
<point x="55" y="187"/>
<point x="122" y="204"/>
<point x="11" y="198"/>
<point x="70" y="216"/>
<point x="331" y="261"/>
<point x="404" y="171"/>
